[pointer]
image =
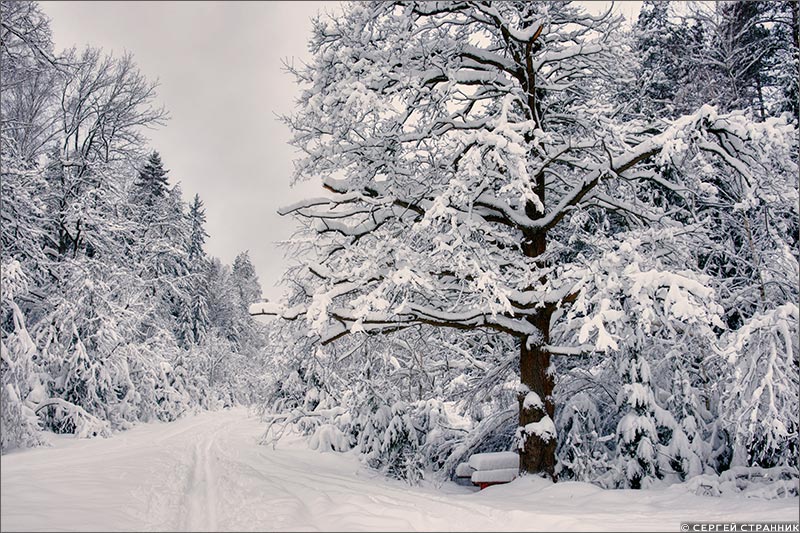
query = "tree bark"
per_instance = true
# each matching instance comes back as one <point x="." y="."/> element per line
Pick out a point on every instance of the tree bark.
<point x="538" y="455"/>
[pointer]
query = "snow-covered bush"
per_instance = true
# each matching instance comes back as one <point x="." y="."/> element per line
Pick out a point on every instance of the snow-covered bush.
<point x="363" y="394"/>
<point x="19" y="378"/>
<point x="752" y="482"/>
<point x="760" y="404"/>
<point x="582" y="450"/>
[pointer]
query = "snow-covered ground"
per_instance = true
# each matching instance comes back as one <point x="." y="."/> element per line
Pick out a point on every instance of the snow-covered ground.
<point x="206" y="472"/>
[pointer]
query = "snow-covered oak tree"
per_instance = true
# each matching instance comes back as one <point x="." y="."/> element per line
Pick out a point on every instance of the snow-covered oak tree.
<point x="461" y="144"/>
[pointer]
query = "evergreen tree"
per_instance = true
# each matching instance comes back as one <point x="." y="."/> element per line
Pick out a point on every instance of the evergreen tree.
<point x="245" y="279"/>
<point x="193" y="313"/>
<point x="197" y="239"/>
<point x="637" y="430"/>
<point x="581" y="453"/>
<point x="152" y="180"/>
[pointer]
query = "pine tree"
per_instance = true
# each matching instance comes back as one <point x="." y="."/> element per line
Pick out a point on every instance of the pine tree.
<point x="152" y="181"/>
<point x="245" y="279"/>
<point x="193" y="315"/>
<point x="197" y="221"/>
<point x="637" y="430"/>
<point x="582" y="455"/>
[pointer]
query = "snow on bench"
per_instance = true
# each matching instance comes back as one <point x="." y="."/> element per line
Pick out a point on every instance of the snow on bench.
<point x="492" y="477"/>
<point x="463" y="475"/>
<point x="486" y="469"/>
<point x="494" y="461"/>
<point x="464" y="470"/>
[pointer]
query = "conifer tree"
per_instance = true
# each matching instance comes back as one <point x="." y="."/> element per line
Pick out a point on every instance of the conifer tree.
<point x="245" y="279"/>
<point x="197" y="221"/>
<point x="152" y="181"/>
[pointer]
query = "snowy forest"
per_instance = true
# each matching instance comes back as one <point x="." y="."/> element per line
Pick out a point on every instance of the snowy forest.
<point x="538" y="230"/>
<point x="112" y="312"/>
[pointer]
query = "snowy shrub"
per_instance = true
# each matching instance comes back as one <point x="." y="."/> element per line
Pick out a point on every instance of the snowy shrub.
<point x="752" y="482"/>
<point x="582" y="453"/>
<point x="19" y="378"/>
<point x="408" y="440"/>
<point x="20" y="426"/>
<point x="328" y="437"/>
<point x="760" y="405"/>
<point x="64" y="417"/>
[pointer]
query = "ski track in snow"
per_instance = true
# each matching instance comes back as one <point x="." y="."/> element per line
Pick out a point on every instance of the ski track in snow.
<point x="207" y="473"/>
<point x="199" y="510"/>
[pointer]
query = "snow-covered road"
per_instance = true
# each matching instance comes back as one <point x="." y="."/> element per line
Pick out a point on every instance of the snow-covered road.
<point x="206" y="472"/>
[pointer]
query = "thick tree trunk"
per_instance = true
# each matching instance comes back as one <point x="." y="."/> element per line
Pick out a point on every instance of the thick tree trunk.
<point x="538" y="454"/>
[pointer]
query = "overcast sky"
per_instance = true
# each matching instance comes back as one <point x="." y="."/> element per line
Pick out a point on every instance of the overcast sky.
<point x="219" y="67"/>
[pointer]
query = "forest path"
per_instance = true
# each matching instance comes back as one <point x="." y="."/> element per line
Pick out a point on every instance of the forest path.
<point x="202" y="473"/>
<point x="207" y="473"/>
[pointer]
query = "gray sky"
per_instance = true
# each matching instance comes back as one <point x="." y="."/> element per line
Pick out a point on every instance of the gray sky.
<point x="219" y="66"/>
<point x="220" y="77"/>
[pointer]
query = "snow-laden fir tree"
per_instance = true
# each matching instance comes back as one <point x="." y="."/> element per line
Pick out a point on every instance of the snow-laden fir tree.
<point x="152" y="181"/>
<point x="197" y="223"/>
<point x="245" y="279"/>
<point x="193" y="319"/>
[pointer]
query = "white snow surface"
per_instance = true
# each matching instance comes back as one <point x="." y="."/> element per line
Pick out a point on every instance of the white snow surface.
<point x="206" y="472"/>
<point x="532" y="400"/>
<point x="464" y="470"/>
<point x="494" y="460"/>
<point x="501" y="475"/>
<point x="544" y="428"/>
